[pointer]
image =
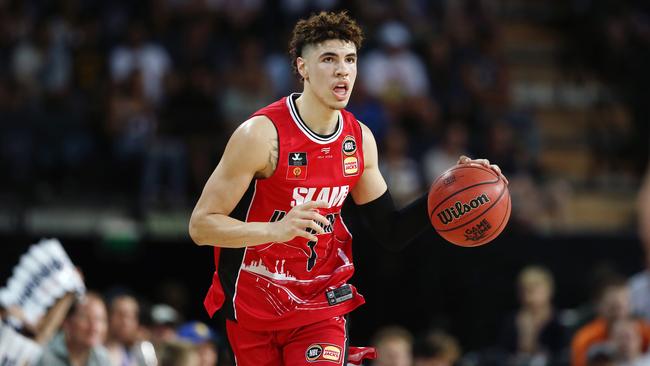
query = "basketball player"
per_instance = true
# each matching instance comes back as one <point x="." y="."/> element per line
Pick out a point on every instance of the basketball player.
<point x="272" y="210"/>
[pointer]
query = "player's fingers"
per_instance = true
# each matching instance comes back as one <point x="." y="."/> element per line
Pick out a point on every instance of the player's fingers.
<point x="315" y="204"/>
<point x="484" y="162"/>
<point x="464" y="160"/>
<point x="496" y="169"/>
<point x="505" y="179"/>
<point x="314" y="215"/>
<point x="306" y="224"/>
<point x="307" y="235"/>
<point x="314" y="226"/>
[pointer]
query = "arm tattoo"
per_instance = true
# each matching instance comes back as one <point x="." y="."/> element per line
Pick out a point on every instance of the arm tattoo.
<point x="273" y="155"/>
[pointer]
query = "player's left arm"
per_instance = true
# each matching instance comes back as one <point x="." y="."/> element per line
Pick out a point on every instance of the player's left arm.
<point x="393" y="228"/>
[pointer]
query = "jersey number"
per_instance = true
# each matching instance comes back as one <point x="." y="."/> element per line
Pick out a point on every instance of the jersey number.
<point x="311" y="262"/>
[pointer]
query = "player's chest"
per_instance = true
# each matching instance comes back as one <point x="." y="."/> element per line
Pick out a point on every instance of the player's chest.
<point x="321" y="164"/>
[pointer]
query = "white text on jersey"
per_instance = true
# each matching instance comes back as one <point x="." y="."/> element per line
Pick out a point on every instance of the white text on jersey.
<point x="334" y="196"/>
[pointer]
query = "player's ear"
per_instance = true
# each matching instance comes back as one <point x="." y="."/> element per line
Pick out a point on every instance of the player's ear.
<point x="301" y="65"/>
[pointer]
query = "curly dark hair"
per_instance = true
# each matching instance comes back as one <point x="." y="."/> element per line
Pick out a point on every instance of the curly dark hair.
<point x="320" y="28"/>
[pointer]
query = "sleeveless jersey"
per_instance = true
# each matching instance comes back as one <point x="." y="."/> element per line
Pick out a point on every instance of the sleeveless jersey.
<point x="285" y="285"/>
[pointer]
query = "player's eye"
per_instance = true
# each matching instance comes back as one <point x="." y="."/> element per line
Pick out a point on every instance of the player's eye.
<point x="328" y="59"/>
<point x="351" y="60"/>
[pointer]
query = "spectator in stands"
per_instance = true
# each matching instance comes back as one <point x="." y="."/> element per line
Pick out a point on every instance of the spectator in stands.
<point x="626" y="342"/>
<point x="142" y="55"/>
<point x="612" y="304"/>
<point x="437" y="348"/>
<point x="203" y="338"/>
<point x="440" y="157"/>
<point x="394" y="346"/>
<point x="164" y="320"/>
<point x="84" y="331"/>
<point x="640" y="282"/>
<point x="177" y="353"/>
<point x="533" y="333"/>
<point x="401" y="172"/>
<point x="394" y="72"/>
<point x="601" y="355"/>
<point x="123" y="331"/>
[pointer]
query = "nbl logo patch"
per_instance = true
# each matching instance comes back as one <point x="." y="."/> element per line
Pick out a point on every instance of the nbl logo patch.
<point x="323" y="352"/>
<point x="297" y="166"/>
<point x="349" y="145"/>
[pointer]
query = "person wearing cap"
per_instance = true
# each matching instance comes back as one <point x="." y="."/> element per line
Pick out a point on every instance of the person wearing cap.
<point x="204" y="338"/>
<point x="164" y="320"/>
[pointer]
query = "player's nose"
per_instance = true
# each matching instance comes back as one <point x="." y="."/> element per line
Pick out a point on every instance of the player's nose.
<point x="342" y="69"/>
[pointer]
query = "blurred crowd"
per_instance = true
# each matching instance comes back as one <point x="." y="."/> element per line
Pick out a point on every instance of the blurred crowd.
<point x="132" y="102"/>
<point x="613" y="329"/>
<point x="612" y="40"/>
<point x="120" y="328"/>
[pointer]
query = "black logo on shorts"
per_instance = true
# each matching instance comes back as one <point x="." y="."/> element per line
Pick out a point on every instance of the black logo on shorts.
<point x="313" y="352"/>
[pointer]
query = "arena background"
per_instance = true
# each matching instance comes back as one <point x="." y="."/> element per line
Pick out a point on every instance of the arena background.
<point x="113" y="114"/>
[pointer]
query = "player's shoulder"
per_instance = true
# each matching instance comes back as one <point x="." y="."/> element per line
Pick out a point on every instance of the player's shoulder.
<point x="366" y="134"/>
<point x="255" y="129"/>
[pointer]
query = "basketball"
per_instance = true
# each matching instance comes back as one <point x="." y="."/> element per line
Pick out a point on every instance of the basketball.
<point x="469" y="205"/>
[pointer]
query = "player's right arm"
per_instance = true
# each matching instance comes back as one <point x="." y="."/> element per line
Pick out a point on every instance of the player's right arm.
<point x="251" y="152"/>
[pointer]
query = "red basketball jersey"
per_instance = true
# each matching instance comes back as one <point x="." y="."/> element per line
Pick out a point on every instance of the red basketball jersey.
<point x="276" y="286"/>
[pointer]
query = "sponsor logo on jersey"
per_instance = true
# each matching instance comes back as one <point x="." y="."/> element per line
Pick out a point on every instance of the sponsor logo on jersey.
<point x="350" y="166"/>
<point x="297" y="166"/>
<point x="323" y="352"/>
<point x="325" y="150"/>
<point x="334" y="196"/>
<point x="459" y="209"/>
<point x="349" y="145"/>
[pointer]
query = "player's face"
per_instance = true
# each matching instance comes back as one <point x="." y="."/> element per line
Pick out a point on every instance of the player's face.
<point x="329" y="69"/>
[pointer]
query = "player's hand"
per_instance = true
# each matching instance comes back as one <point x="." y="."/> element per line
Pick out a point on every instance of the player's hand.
<point x="484" y="162"/>
<point x="298" y="221"/>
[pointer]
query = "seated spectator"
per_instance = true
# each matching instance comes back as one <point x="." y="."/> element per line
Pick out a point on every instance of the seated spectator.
<point x="204" y="338"/>
<point x="394" y="72"/>
<point x="401" y="172"/>
<point x="445" y="155"/>
<point x="601" y="355"/>
<point x="177" y="353"/>
<point x="640" y="282"/>
<point x="625" y="341"/>
<point x="164" y="320"/>
<point x="394" y="346"/>
<point x="436" y="349"/>
<point x="534" y="331"/>
<point x="80" y="343"/>
<point x="123" y="331"/>
<point x="613" y="304"/>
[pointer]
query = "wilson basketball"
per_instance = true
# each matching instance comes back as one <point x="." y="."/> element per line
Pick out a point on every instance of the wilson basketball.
<point x="469" y="205"/>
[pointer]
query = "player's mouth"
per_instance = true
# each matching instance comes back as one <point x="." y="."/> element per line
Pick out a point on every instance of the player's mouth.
<point x="340" y="90"/>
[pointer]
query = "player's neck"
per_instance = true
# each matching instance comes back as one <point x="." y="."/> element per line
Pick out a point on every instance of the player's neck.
<point x="316" y="115"/>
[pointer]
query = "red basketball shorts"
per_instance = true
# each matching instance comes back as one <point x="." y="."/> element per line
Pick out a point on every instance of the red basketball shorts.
<point x="319" y="344"/>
